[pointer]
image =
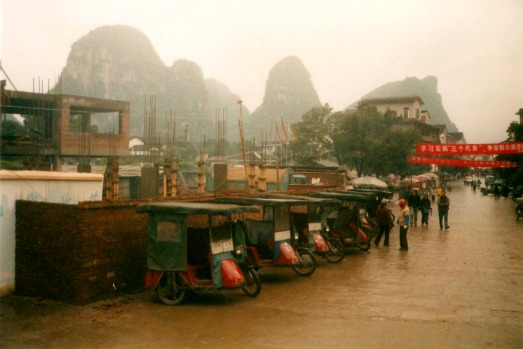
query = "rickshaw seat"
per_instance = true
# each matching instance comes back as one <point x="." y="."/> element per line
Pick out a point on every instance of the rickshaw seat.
<point x="199" y="272"/>
<point x="198" y="246"/>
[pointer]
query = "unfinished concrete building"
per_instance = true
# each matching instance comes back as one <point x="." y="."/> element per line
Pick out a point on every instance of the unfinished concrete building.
<point x="64" y="126"/>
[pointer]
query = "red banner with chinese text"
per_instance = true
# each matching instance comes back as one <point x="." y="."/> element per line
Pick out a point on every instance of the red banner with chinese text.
<point x="469" y="149"/>
<point x="461" y="163"/>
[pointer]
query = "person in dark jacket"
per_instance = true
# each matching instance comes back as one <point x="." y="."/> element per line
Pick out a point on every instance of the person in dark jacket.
<point x="426" y="208"/>
<point x="385" y="222"/>
<point x="443" y="210"/>
<point x="414" y="203"/>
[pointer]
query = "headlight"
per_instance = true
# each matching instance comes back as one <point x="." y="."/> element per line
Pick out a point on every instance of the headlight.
<point x="296" y="236"/>
<point x="239" y="250"/>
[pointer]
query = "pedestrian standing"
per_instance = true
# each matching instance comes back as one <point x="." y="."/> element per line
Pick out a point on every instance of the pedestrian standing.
<point x="443" y="210"/>
<point x="414" y="204"/>
<point x="426" y="208"/>
<point x="403" y="221"/>
<point x="385" y="222"/>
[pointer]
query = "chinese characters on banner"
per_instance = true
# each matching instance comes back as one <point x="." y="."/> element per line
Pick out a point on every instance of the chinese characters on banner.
<point x="470" y="149"/>
<point x="461" y="163"/>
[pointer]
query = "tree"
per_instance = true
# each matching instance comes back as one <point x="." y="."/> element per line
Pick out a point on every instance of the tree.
<point x="312" y="141"/>
<point x="12" y="129"/>
<point x="212" y="147"/>
<point x="375" y="143"/>
<point x="185" y="153"/>
<point x="513" y="176"/>
<point x="363" y="139"/>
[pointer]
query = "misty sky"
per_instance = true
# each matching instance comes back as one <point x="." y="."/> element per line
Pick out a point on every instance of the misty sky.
<point x="473" y="47"/>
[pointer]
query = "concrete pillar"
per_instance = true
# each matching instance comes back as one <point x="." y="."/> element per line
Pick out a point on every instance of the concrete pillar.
<point x="201" y="177"/>
<point x="262" y="179"/>
<point x="220" y="178"/>
<point x="252" y="178"/>
<point x="167" y="178"/>
<point x="149" y="182"/>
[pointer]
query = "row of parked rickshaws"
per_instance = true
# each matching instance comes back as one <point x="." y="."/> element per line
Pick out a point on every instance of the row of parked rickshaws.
<point x="228" y="251"/>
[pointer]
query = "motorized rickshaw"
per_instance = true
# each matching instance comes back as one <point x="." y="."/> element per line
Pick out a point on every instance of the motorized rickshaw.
<point x="371" y="206"/>
<point x="349" y="222"/>
<point x="309" y="226"/>
<point x="269" y="241"/>
<point x="197" y="257"/>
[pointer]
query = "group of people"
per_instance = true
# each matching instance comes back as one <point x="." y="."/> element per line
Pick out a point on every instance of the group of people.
<point x="409" y="216"/>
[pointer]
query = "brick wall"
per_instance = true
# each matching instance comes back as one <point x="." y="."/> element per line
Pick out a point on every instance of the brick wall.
<point x="79" y="253"/>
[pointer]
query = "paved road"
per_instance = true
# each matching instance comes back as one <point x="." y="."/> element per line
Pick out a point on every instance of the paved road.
<point x="461" y="288"/>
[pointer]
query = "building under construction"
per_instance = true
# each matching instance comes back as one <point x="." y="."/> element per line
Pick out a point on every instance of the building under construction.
<point x="57" y="127"/>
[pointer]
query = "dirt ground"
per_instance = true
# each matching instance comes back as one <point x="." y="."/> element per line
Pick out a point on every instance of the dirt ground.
<point x="461" y="288"/>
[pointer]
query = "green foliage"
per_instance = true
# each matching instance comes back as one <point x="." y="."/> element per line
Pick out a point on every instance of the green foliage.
<point x="312" y="142"/>
<point x="229" y="148"/>
<point x="373" y="143"/>
<point x="515" y="132"/>
<point x="12" y="129"/>
<point x="365" y="140"/>
<point x="513" y="176"/>
<point x="186" y="155"/>
<point x="11" y="165"/>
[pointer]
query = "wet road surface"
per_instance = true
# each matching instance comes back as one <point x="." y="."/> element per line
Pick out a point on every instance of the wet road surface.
<point x="460" y="288"/>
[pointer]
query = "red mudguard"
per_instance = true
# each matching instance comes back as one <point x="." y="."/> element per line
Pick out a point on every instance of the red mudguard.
<point x="288" y="254"/>
<point x="232" y="275"/>
<point x="152" y="277"/>
<point x="320" y="244"/>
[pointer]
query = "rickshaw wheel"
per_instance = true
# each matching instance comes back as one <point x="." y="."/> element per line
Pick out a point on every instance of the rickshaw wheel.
<point x="307" y="263"/>
<point x="337" y="251"/>
<point x="252" y="286"/>
<point x="364" y="246"/>
<point x="168" y="290"/>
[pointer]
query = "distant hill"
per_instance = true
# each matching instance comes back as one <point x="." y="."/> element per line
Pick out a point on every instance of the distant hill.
<point x="426" y="88"/>
<point x="289" y="94"/>
<point x="119" y="62"/>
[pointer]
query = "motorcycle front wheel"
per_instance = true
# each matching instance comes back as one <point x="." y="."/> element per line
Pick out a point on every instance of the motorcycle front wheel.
<point x="169" y="290"/>
<point x="252" y="286"/>
<point x="336" y="252"/>
<point x="307" y="262"/>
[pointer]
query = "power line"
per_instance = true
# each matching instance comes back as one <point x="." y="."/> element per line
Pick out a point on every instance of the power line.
<point x="7" y="76"/>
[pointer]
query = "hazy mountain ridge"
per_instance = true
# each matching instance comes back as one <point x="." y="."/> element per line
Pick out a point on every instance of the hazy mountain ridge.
<point x="289" y="94"/>
<point x="119" y="62"/>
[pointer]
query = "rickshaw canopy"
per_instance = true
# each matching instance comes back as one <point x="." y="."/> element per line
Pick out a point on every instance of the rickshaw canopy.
<point x="195" y="208"/>
<point x="168" y="231"/>
<point x="265" y="200"/>
<point x="345" y="196"/>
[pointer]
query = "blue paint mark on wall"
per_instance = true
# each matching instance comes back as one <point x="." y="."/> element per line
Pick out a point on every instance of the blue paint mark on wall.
<point x="33" y="196"/>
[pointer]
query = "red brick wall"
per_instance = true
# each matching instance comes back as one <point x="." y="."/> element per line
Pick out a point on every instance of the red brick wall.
<point x="79" y="253"/>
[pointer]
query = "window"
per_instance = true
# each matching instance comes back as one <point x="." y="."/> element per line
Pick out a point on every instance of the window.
<point x="169" y="231"/>
<point x="406" y="112"/>
<point x="94" y="122"/>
